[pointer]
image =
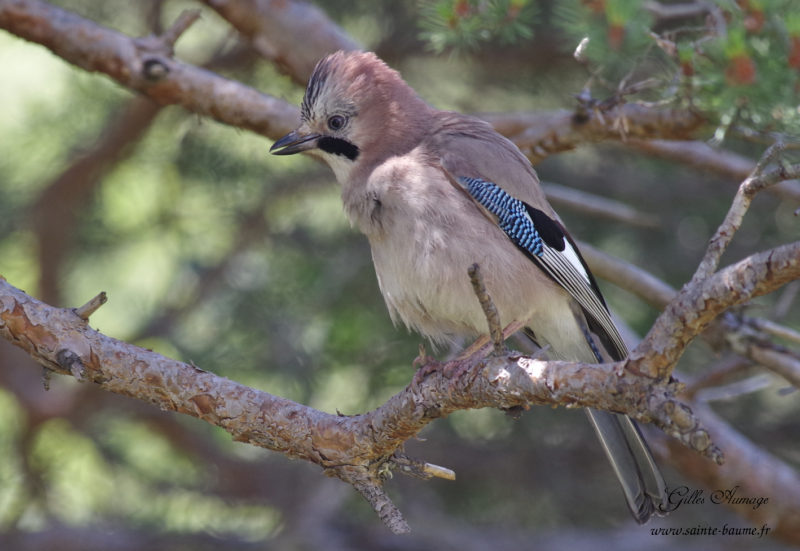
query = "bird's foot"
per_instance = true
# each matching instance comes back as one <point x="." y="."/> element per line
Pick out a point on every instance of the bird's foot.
<point x="462" y="371"/>
<point x="479" y="345"/>
<point x="482" y="345"/>
<point x="456" y="369"/>
<point x="427" y="368"/>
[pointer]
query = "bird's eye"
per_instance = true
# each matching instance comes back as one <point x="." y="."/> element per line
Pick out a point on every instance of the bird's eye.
<point x="336" y="122"/>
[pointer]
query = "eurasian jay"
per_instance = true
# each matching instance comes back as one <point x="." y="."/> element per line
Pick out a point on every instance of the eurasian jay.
<point x="436" y="192"/>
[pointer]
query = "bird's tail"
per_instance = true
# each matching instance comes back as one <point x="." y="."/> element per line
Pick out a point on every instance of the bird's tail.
<point x="642" y="483"/>
<point x="632" y="461"/>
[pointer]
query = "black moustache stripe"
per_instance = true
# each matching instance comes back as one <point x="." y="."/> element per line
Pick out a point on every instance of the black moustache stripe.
<point x="338" y="146"/>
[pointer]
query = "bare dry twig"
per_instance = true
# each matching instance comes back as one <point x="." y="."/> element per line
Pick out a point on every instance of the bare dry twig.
<point x="757" y="181"/>
<point x="489" y="310"/>
<point x="92" y="306"/>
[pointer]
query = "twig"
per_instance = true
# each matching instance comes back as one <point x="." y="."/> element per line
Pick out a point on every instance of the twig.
<point x="489" y="310"/>
<point x="70" y="361"/>
<point x="92" y="306"/>
<point x="777" y="330"/>
<point x="185" y="20"/>
<point x="374" y="494"/>
<point x="716" y="375"/>
<point x="757" y="181"/>
<point x="778" y="362"/>
<point x="698" y="303"/>
<point x="164" y="44"/>
<point x="420" y="469"/>
<point x="734" y="390"/>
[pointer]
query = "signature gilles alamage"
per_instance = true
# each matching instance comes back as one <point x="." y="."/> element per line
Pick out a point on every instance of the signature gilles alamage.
<point x="680" y="496"/>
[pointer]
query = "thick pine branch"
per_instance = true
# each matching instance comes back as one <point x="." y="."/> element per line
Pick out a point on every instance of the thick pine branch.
<point x="146" y="66"/>
<point x="357" y="449"/>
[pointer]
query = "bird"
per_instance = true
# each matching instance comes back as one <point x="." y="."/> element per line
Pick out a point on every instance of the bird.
<point x="437" y="191"/>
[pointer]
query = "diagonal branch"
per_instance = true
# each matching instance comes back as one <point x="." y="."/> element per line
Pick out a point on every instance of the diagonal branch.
<point x="748" y="337"/>
<point x="757" y="181"/>
<point x="697" y="304"/>
<point x="273" y="26"/>
<point x="136" y="64"/>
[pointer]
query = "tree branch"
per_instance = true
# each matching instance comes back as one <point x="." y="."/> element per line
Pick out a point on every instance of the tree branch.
<point x="539" y="135"/>
<point x="589" y="204"/>
<point x="358" y="449"/>
<point x="146" y="66"/>
<point x="150" y="70"/>
<point x="757" y="181"/>
<point x="748" y="337"/>
<point x="701" y="156"/>
<point x="273" y="26"/>
<point x="697" y="304"/>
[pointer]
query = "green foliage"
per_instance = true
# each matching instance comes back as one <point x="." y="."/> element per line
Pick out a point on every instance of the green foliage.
<point x="261" y="278"/>
<point x="617" y="33"/>
<point x="739" y="64"/>
<point x="463" y="24"/>
<point x="734" y="65"/>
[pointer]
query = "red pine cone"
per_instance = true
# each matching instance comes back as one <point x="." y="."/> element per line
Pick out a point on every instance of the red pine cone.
<point x="741" y="71"/>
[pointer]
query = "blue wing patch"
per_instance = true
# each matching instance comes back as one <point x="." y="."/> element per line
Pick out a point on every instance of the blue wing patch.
<point x="547" y="246"/>
<point x="512" y="216"/>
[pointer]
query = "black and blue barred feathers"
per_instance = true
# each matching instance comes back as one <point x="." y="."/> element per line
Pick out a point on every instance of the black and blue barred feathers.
<point x="513" y="217"/>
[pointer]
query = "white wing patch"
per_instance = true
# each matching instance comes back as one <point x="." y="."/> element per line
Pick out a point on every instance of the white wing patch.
<point x="572" y="276"/>
<point x="572" y="256"/>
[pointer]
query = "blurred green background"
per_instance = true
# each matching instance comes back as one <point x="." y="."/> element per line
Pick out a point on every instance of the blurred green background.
<point x="212" y="251"/>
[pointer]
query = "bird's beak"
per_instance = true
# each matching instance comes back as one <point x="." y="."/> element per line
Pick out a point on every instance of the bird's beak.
<point x="293" y="143"/>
